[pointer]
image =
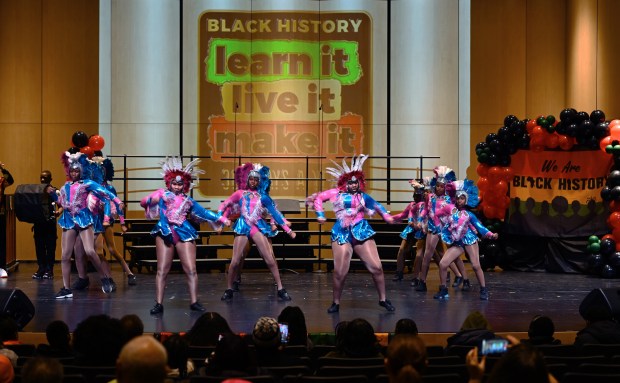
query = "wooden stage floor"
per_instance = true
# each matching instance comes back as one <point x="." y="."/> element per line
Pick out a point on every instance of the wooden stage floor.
<point x="515" y="298"/>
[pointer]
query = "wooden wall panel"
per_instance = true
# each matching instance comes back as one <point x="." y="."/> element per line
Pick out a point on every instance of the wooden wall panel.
<point x="71" y="61"/>
<point x="608" y="59"/>
<point x="581" y="27"/>
<point x="545" y="51"/>
<point x="498" y="72"/>
<point x="20" y="62"/>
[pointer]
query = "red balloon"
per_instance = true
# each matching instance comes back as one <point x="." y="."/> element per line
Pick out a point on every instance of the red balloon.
<point x="604" y="142"/>
<point x="538" y="130"/>
<point x="495" y="175"/>
<point x="530" y="126"/>
<point x="502" y="187"/>
<point x="88" y="151"/>
<point x="614" y="220"/>
<point x="614" y="206"/>
<point x="565" y="142"/>
<point x="607" y="236"/>
<point x="490" y="211"/>
<point x="508" y="174"/>
<point x="483" y="184"/>
<point x="482" y="170"/>
<point x="614" y="123"/>
<point x="614" y="132"/>
<point x="552" y="141"/>
<point x="96" y="142"/>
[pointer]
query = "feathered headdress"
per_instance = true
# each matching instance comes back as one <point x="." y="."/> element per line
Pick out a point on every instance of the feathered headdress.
<point x="418" y="188"/>
<point x="342" y="174"/>
<point x="73" y="161"/>
<point x="443" y="174"/>
<point x="467" y="188"/>
<point x="173" y="170"/>
<point x="247" y="170"/>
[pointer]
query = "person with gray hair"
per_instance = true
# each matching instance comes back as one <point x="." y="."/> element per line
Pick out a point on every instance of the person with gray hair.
<point x="142" y="360"/>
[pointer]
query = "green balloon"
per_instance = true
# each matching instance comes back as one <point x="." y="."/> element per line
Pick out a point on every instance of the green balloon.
<point x="551" y="119"/>
<point x="595" y="248"/>
<point x="609" y="149"/>
<point x="593" y="239"/>
<point x="539" y="121"/>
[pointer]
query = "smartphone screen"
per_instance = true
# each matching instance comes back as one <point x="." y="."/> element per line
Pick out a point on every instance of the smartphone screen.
<point x="283" y="332"/>
<point x="494" y="346"/>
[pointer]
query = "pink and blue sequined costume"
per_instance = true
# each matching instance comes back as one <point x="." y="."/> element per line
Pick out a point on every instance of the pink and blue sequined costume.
<point x="74" y="201"/>
<point x="349" y="209"/>
<point x="174" y="212"/>
<point x="414" y="213"/>
<point x="252" y="205"/>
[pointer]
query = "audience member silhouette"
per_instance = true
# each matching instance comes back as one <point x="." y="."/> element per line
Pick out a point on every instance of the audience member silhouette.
<point x="232" y="358"/>
<point x="207" y="330"/>
<point x="521" y="363"/>
<point x="58" y="341"/>
<point x="179" y="363"/>
<point x="97" y="341"/>
<point x="297" y="330"/>
<point x="142" y="360"/>
<point x="406" y="326"/>
<point x="474" y="329"/>
<point x="541" y="331"/>
<point x="355" y="339"/>
<point x="42" y="370"/>
<point x="405" y="359"/>
<point x="600" y="328"/>
<point x="9" y="330"/>
<point x="267" y="342"/>
<point x="132" y="326"/>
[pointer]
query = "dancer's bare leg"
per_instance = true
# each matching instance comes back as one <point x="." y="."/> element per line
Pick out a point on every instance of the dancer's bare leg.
<point x="367" y="251"/>
<point x="342" y="260"/>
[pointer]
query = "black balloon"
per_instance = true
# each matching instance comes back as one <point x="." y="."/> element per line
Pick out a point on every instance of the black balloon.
<point x="524" y="141"/>
<point x="585" y="128"/>
<point x="597" y="116"/>
<point x="496" y="146"/>
<point x="608" y="246"/>
<point x="582" y="116"/>
<point x="491" y="137"/>
<point x="606" y="193"/>
<point x="571" y="130"/>
<point x="504" y="134"/>
<point x="595" y="263"/>
<point x="504" y="160"/>
<point x="608" y="272"/>
<point x="493" y="159"/>
<point x="615" y="193"/>
<point x="613" y="179"/>
<point x="510" y="119"/>
<point x="614" y="259"/>
<point x="79" y="139"/>
<point x="73" y="150"/>
<point x="601" y="130"/>
<point x="567" y="115"/>
<point x="561" y="128"/>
